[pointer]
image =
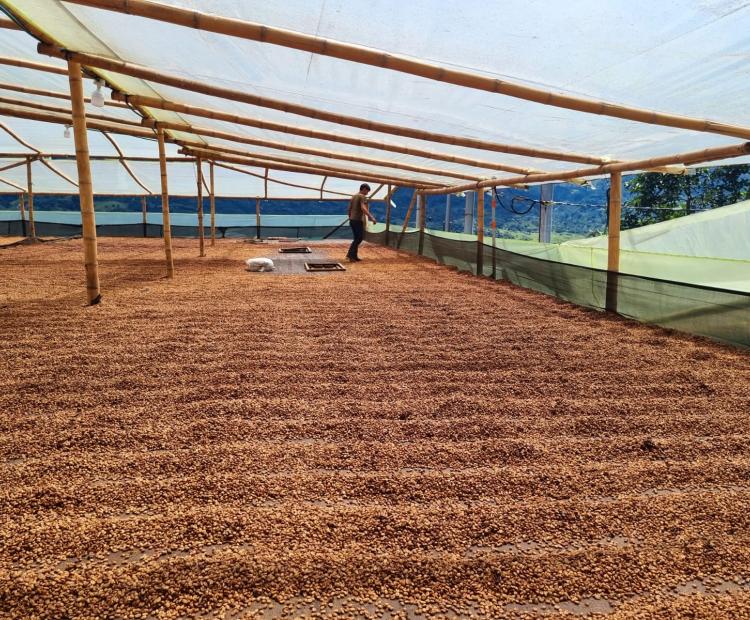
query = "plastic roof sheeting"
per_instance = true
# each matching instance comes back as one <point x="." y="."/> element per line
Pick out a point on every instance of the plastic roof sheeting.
<point x="682" y="57"/>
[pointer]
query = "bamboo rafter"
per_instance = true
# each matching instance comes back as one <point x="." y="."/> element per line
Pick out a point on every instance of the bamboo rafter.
<point x="52" y="108"/>
<point x="55" y="94"/>
<point x="124" y="162"/>
<point x="272" y="180"/>
<point x="404" y="64"/>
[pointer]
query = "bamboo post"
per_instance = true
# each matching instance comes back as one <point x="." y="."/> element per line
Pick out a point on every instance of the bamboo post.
<point x="144" y="213"/>
<point x="212" y="202"/>
<point x="613" y="240"/>
<point x="166" y="226"/>
<point x="23" y="215"/>
<point x="422" y="219"/>
<point x="30" y="191"/>
<point x="406" y="219"/>
<point x="447" y="225"/>
<point x="265" y="185"/>
<point x="199" y="178"/>
<point x="85" y="187"/>
<point x="257" y="217"/>
<point x="322" y="185"/>
<point x="480" y="233"/>
<point x="494" y="235"/>
<point x="388" y="214"/>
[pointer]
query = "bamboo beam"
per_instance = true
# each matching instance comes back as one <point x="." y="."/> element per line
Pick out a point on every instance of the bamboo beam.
<point x="332" y="172"/>
<point x="30" y="193"/>
<point x="146" y="73"/>
<point x="388" y="213"/>
<point x="212" y="203"/>
<point x="322" y="185"/>
<point x="422" y="220"/>
<point x="124" y="163"/>
<point x="272" y="180"/>
<point x="480" y="233"/>
<point x="166" y="226"/>
<point x="14" y="164"/>
<point x="613" y="239"/>
<point x="9" y="24"/>
<point x="30" y="64"/>
<point x="153" y="102"/>
<point x="55" y="94"/>
<point x="22" y="214"/>
<point x="257" y="218"/>
<point x="265" y="184"/>
<point x="144" y="215"/>
<point x="493" y="226"/>
<point x="70" y="157"/>
<point x="406" y="219"/>
<point x="199" y="179"/>
<point x="12" y="184"/>
<point x="52" y="108"/>
<point x="403" y="64"/>
<point x="85" y="188"/>
<point x="692" y="157"/>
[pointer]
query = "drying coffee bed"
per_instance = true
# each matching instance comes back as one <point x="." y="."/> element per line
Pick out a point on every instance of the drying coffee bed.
<point x="397" y="440"/>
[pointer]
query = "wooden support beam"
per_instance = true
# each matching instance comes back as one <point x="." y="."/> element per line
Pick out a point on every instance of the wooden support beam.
<point x="406" y="219"/>
<point x="257" y="217"/>
<point x="30" y="194"/>
<point x="30" y="64"/>
<point x="85" y="187"/>
<point x="153" y="102"/>
<point x="9" y="24"/>
<point x="124" y="163"/>
<point x="199" y="179"/>
<point x="422" y="221"/>
<point x="404" y="64"/>
<point x="329" y="171"/>
<point x="212" y="202"/>
<point x="144" y="215"/>
<point x="53" y="108"/>
<point x="692" y="157"/>
<point x="202" y="86"/>
<point x="388" y="213"/>
<point x="322" y="185"/>
<point x="480" y="233"/>
<point x="494" y="234"/>
<point x="613" y="239"/>
<point x="56" y="94"/>
<point x="22" y="214"/>
<point x="272" y="180"/>
<point x="166" y="226"/>
<point x="265" y="184"/>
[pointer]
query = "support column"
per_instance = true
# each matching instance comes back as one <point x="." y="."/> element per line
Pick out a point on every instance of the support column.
<point x="480" y="232"/>
<point x="257" y="217"/>
<point x="494" y="234"/>
<point x="388" y="214"/>
<point x="613" y="239"/>
<point x="546" y="196"/>
<point x="166" y="226"/>
<point x="30" y="190"/>
<point x="144" y="213"/>
<point x="212" y="202"/>
<point x="468" y="213"/>
<point x="201" y="232"/>
<point x="447" y="225"/>
<point x="85" y="188"/>
<point x="23" y="214"/>
<point x="422" y="218"/>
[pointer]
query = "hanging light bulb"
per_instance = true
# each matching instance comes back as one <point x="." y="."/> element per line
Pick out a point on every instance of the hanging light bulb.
<point x="66" y="133"/>
<point x="97" y="97"/>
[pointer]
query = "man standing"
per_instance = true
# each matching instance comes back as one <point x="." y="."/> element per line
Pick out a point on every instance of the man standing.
<point x="357" y="212"/>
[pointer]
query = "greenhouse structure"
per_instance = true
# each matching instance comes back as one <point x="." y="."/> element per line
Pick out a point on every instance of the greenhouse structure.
<point x="462" y="425"/>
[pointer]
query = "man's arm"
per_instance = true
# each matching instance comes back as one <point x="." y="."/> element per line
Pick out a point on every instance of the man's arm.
<point x="366" y="211"/>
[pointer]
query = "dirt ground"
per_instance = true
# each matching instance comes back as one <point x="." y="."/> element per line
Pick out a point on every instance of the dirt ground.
<point x="398" y="440"/>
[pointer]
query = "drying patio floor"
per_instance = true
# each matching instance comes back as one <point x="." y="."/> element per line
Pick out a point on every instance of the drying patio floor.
<point x="396" y="440"/>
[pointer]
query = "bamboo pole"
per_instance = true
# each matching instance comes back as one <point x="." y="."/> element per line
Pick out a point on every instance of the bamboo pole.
<point x="201" y="232"/>
<point x="403" y="64"/>
<point x="54" y="108"/>
<point x="30" y="193"/>
<point x="494" y="235"/>
<point x="85" y="187"/>
<point x="71" y="157"/>
<point x="9" y="24"/>
<point x="257" y="217"/>
<point x="692" y="157"/>
<point x="331" y="172"/>
<point x="406" y="219"/>
<point x="265" y="184"/>
<point x="55" y="94"/>
<point x="144" y="216"/>
<point x="322" y="185"/>
<point x="23" y="215"/>
<point x="30" y="64"/>
<point x="422" y="220"/>
<point x="388" y="213"/>
<point x="272" y="180"/>
<point x="363" y="172"/>
<point x="146" y="73"/>
<point x="613" y="239"/>
<point x="212" y="203"/>
<point x="480" y="233"/>
<point x="308" y="132"/>
<point x="124" y="163"/>
<point x="166" y="226"/>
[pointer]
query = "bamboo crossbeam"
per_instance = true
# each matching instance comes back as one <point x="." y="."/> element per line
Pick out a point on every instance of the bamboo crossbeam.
<point x="153" y="102"/>
<point x="13" y="165"/>
<point x="406" y="219"/>
<point x="51" y="108"/>
<point x="272" y="180"/>
<point x="69" y="157"/>
<point x="692" y="157"/>
<point x="285" y="160"/>
<point x="166" y="226"/>
<point x="212" y="203"/>
<point x="124" y="163"/>
<point x="30" y="64"/>
<point x="331" y="172"/>
<point x="403" y="64"/>
<point x="146" y="73"/>
<point x="199" y="179"/>
<point x="9" y="24"/>
<point x="12" y="184"/>
<point x="56" y="94"/>
<point x="30" y="194"/>
<point x="85" y="187"/>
